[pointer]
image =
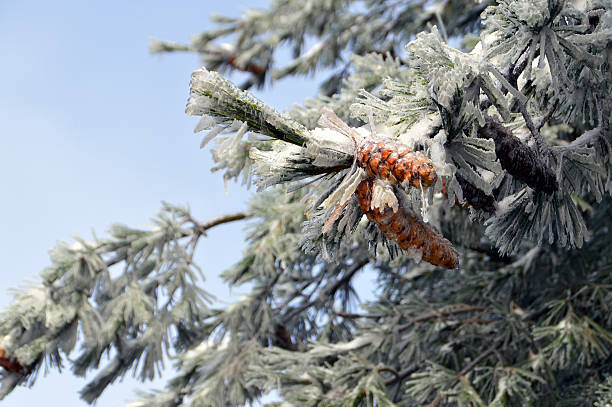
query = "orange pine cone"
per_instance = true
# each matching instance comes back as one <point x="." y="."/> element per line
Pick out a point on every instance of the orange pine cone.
<point x="396" y="163"/>
<point x="408" y="231"/>
<point x="10" y="365"/>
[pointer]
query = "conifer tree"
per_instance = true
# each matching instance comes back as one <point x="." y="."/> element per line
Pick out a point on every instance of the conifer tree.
<point x="461" y="150"/>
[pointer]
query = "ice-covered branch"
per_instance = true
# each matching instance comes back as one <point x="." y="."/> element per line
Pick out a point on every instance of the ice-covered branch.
<point x="123" y="312"/>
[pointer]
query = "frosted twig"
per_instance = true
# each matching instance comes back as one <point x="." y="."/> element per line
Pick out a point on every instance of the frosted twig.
<point x="548" y="115"/>
<point x="521" y="101"/>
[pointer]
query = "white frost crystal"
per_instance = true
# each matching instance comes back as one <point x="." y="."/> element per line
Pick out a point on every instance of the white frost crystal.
<point x="383" y="196"/>
<point x="534" y="12"/>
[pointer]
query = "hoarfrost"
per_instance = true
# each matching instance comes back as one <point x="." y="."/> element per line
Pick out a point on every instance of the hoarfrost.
<point x="329" y="146"/>
<point x="209" y="344"/>
<point x="383" y="196"/>
<point x="346" y="189"/>
<point x="437" y="154"/>
<point x="205" y="122"/>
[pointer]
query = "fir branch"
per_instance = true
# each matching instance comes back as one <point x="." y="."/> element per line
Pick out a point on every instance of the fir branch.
<point x="329" y="291"/>
<point x="533" y="328"/>
<point x="131" y="303"/>
<point x="212" y="96"/>
<point x="482" y="356"/>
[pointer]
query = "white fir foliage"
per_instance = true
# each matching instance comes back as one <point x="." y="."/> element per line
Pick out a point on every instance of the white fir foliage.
<point x="515" y="121"/>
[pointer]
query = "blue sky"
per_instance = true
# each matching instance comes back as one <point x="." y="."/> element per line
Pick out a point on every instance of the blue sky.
<point x="93" y="132"/>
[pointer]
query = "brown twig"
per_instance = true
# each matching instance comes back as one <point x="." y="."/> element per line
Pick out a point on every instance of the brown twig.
<point x="198" y="229"/>
<point x="250" y="67"/>
<point x="388" y="369"/>
<point x="219" y="220"/>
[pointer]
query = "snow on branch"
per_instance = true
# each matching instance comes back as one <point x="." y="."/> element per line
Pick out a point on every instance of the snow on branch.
<point x="132" y="312"/>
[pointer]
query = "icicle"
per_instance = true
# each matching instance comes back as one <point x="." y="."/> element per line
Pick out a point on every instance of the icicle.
<point x="424" y="204"/>
<point x="371" y="120"/>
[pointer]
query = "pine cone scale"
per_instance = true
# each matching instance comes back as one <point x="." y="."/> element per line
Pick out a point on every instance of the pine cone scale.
<point x="396" y="163"/>
<point x="384" y="154"/>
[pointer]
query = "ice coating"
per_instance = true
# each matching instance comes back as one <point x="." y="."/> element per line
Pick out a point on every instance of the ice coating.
<point x="396" y="163"/>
